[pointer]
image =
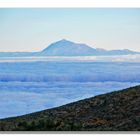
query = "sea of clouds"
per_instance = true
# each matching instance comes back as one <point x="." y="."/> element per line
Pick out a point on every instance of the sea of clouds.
<point x="30" y="86"/>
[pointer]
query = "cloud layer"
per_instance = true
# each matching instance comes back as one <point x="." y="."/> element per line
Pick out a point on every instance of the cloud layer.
<point x="33" y="86"/>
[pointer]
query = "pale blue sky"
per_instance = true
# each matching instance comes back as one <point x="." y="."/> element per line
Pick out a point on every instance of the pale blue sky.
<point x="35" y="29"/>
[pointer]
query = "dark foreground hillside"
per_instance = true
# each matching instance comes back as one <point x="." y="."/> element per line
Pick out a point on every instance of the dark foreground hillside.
<point x="118" y="110"/>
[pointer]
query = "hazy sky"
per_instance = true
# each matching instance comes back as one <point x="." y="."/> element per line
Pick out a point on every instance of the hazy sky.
<point x="35" y="29"/>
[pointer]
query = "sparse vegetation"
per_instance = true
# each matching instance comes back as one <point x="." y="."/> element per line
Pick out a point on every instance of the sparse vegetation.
<point x="118" y="110"/>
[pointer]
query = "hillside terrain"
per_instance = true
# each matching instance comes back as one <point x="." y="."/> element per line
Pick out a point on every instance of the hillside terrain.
<point x="116" y="111"/>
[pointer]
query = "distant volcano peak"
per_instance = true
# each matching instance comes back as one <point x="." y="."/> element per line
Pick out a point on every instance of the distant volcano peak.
<point x="63" y="41"/>
<point x="65" y="47"/>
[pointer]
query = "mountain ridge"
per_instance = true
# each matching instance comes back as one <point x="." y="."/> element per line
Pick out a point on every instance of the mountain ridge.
<point x="68" y="48"/>
<point x="115" y="111"/>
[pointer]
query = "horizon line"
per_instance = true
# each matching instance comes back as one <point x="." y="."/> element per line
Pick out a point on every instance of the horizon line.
<point x="67" y="41"/>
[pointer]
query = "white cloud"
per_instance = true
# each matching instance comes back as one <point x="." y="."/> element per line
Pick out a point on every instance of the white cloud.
<point x="33" y="86"/>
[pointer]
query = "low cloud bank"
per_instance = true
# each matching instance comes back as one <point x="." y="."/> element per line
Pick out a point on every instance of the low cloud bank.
<point x="34" y="86"/>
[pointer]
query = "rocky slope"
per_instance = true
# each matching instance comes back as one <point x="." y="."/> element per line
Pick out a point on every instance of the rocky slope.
<point x="116" y="111"/>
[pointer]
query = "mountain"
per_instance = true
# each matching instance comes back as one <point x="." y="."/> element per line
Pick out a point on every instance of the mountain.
<point x="18" y="54"/>
<point x="68" y="48"/>
<point x="116" y="111"/>
<point x="122" y="52"/>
